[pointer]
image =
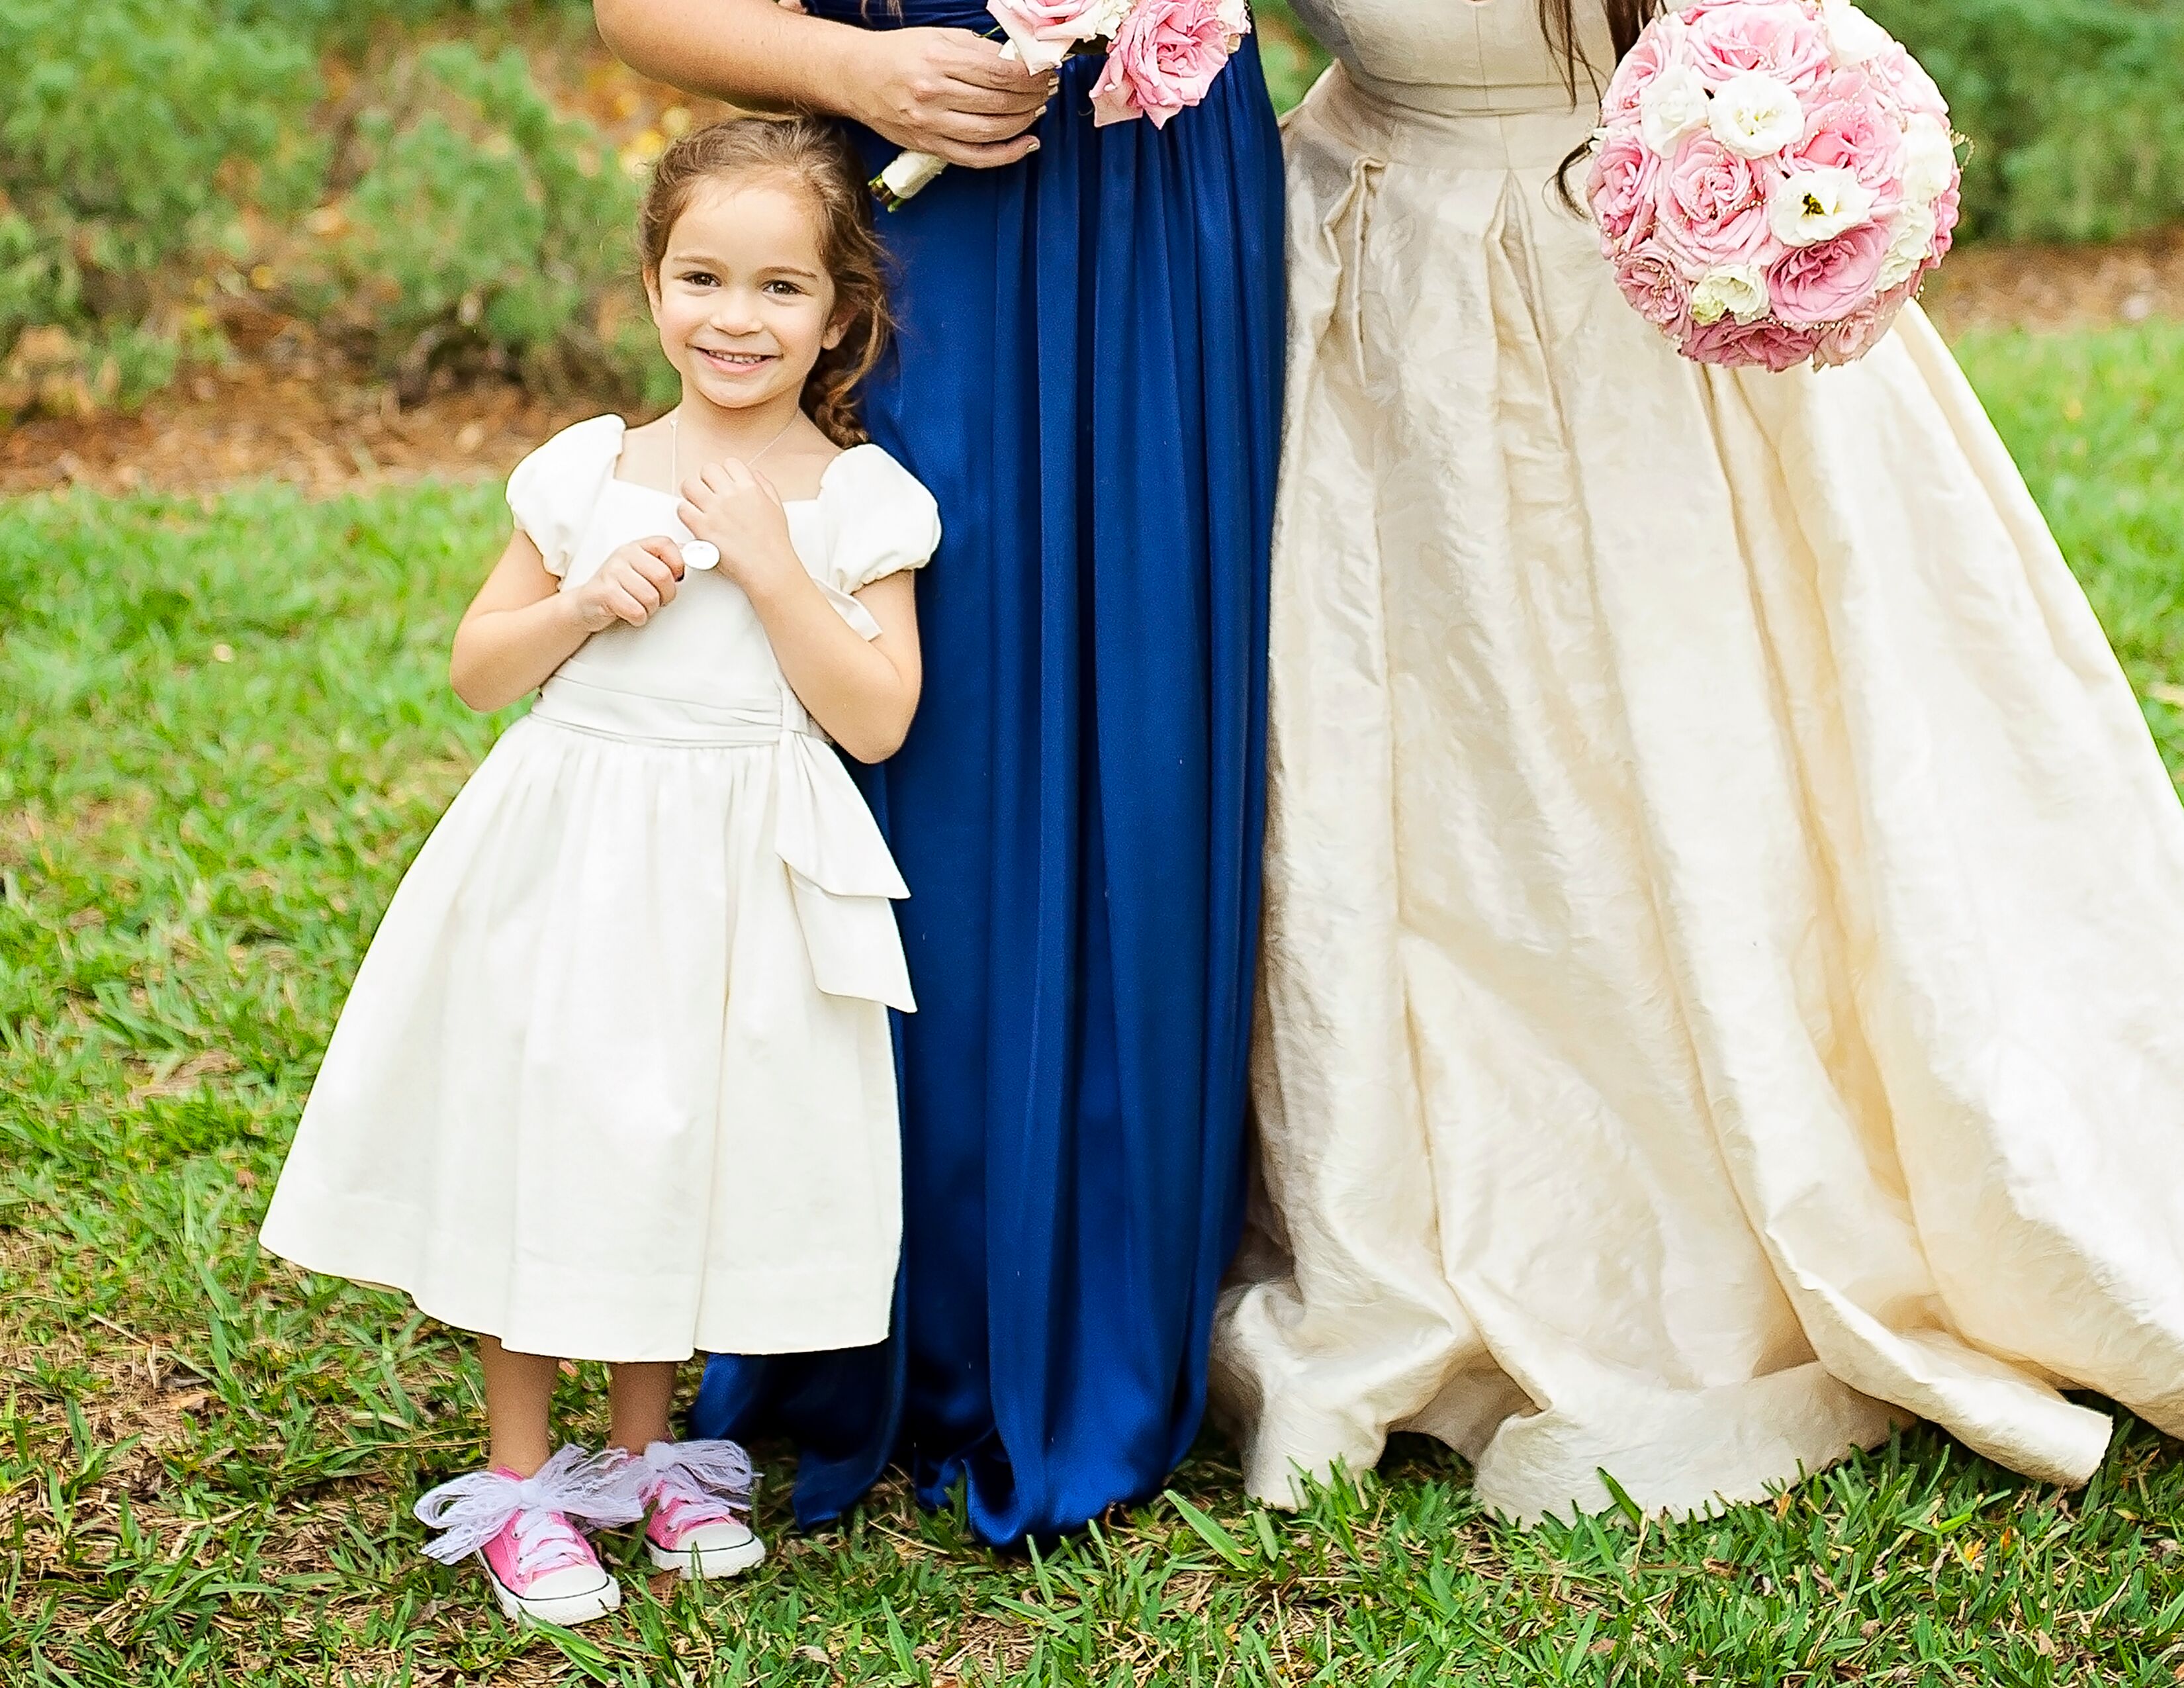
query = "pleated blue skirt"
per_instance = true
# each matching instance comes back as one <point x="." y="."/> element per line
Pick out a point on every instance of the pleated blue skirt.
<point x="1088" y="379"/>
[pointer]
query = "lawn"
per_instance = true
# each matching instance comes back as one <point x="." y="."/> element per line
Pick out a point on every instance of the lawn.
<point x="224" y="728"/>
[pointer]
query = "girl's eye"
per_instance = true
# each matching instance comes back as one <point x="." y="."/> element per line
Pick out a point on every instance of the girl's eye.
<point x="701" y="278"/>
<point x="787" y="288"/>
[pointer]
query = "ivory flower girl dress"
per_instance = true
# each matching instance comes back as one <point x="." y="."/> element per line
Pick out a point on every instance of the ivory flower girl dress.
<point x="615" y="1081"/>
<point x="1723" y="989"/>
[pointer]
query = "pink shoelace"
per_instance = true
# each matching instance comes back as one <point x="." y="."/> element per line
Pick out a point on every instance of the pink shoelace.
<point x="547" y="1541"/>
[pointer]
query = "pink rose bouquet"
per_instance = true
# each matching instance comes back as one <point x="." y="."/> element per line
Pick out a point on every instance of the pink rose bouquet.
<point x="1772" y="179"/>
<point x="1162" y="56"/>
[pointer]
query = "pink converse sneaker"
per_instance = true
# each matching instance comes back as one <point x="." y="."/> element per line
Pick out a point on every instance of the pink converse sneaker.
<point x="700" y="1493"/>
<point x="524" y="1530"/>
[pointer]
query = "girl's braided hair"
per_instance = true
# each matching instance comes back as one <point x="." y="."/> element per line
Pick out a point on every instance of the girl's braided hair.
<point x="816" y="158"/>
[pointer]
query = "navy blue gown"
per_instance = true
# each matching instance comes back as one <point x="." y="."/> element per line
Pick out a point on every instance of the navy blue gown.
<point x="1088" y="380"/>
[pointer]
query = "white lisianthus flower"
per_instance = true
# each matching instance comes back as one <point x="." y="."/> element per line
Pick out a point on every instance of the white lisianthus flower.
<point x="1852" y="38"/>
<point x="1910" y="241"/>
<point x="1808" y="206"/>
<point x="1235" y="17"/>
<point x="1674" y="104"/>
<point x="1752" y="114"/>
<point x="1737" y="290"/>
<point x="1929" y="161"/>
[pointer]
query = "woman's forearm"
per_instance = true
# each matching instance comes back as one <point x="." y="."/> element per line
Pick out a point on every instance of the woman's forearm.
<point x="943" y="91"/>
<point x="751" y="52"/>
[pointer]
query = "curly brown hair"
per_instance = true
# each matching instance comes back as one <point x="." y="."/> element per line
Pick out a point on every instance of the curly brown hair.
<point x="816" y="158"/>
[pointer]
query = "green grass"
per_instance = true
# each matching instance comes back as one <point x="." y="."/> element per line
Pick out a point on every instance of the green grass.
<point x="224" y="728"/>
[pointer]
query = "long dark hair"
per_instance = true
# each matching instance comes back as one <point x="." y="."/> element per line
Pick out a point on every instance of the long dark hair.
<point x="1625" y="19"/>
<point x="1558" y="18"/>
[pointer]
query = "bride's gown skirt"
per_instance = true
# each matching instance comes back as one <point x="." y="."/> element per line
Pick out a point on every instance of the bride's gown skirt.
<point x="1723" y="987"/>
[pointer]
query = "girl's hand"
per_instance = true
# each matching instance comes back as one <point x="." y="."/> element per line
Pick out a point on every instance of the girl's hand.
<point x="948" y="93"/>
<point x="633" y="584"/>
<point x="737" y="510"/>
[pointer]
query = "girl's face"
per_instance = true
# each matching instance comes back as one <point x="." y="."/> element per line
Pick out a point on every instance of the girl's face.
<point x="742" y="297"/>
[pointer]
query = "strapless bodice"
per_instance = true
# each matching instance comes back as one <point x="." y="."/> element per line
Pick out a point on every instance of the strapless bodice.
<point x="1460" y="56"/>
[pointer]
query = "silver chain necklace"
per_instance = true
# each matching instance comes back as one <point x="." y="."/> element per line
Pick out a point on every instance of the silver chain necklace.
<point x="698" y="554"/>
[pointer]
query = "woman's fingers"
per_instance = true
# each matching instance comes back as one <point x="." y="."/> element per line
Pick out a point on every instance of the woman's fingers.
<point x="946" y="92"/>
<point x="977" y="157"/>
<point x="660" y="546"/>
<point x="974" y="129"/>
<point x="966" y="57"/>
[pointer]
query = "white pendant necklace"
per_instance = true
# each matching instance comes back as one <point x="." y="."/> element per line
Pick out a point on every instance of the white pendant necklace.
<point x="698" y="554"/>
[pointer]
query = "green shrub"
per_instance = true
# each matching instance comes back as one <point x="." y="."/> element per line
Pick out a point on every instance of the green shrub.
<point x="132" y="133"/>
<point x="484" y="223"/>
<point x="2076" y="109"/>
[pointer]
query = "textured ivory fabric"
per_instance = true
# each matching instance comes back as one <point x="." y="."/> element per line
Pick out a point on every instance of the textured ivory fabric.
<point x="616" y="1080"/>
<point x="1724" y="955"/>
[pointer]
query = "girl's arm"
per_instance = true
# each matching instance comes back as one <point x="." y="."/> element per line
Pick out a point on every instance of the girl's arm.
<point x="862" y="691"/>
<point x="521" y="626"/>
<point x="941" y="90"/>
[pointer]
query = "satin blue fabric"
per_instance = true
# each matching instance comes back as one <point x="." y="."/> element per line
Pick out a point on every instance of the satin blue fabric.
<point x="1088" y="380"/>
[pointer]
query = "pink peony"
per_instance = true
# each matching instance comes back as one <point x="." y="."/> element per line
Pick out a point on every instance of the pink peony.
<point x="1655" y="51"/>
<point x="1655" y="292"/>
<point x="1825" y="282"/>
<point x="1163" y="58"/>
<point x="1043" y="32"/>
<point x="1621" y="187"/>
<point x="1770" y="344"/>
<point x="1848" y="126"/>
<point x="1778" y="38"/>
<point x="1710" y="207"/>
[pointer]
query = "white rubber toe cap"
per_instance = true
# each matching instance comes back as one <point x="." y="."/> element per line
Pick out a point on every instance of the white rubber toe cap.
<point x="574" y="1595"/>
<point x="712" y="1550"/>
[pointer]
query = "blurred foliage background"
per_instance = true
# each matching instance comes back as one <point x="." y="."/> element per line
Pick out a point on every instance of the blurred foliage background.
<point x="434" y="184"/>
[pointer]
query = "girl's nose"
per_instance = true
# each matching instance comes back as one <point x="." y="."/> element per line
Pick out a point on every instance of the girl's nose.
<point x="735" y="312"/>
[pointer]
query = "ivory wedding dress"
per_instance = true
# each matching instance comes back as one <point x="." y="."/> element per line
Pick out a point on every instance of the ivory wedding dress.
<point x="1723" y="985"/>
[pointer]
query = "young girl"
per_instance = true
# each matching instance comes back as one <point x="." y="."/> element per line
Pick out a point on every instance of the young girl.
<point x="615" y="1082"/>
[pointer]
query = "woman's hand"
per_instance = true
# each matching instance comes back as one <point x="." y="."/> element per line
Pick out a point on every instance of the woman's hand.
<point x="939" y="91"/>
<point x="947" y="92"/>
<point x="632" y="585"/>
<point x="736" y="510"/>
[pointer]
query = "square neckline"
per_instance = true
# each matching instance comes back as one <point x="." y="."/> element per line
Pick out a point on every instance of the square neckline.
<point x="622" y="442"/>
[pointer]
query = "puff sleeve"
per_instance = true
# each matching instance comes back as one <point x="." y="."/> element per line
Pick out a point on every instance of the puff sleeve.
<point x="553" y="490"/>
<point x="880" y="520"/>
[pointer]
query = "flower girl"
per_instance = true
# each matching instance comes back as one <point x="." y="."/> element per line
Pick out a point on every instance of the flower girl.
<point x="615" y="1081"/>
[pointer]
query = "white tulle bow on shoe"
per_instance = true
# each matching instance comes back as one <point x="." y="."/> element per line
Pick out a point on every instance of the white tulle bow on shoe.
<point x="591" y="1488"/>
<point x="697" y="1473"/>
